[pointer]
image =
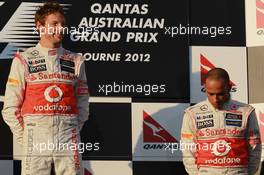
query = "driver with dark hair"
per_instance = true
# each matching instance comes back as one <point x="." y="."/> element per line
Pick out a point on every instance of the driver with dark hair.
<point x="222" y="135"/>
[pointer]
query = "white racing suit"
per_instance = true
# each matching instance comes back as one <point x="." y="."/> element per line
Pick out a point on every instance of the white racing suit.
<point x="46" y="105"/>
<point x="221" y="142"/>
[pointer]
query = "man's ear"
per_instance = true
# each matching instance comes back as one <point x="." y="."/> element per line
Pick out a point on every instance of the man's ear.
<point x="229" y="86"/>
<point x="40" y="27"/>
<point x="204" y="88"/>
<point x="204" y="85"/>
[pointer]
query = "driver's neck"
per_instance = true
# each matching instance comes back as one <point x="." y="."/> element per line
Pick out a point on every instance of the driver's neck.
<point x="46" y="43"/>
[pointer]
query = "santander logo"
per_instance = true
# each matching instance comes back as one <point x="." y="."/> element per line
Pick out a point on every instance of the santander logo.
<point x="205" y="66"/>
<point x="154" y="132"/>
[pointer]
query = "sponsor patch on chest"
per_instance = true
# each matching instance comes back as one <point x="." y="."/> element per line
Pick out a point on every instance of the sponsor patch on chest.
<point x="36" y="61"/>
<point x="233" y="116"/>
<point x="202" y="117"/>
<point x="232" y="119"/>
<point x="67" y="65"/>
<point x="205" y="124"/>
<point x="233" y="123"/>
<point x="38" y="68"/>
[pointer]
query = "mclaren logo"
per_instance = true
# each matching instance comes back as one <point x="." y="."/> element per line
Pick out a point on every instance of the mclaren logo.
<point x="18" y="33"/>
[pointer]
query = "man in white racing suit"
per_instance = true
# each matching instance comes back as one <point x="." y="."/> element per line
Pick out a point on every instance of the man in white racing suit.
<point x="46" y="100"/>
<point x="221" y="136"/>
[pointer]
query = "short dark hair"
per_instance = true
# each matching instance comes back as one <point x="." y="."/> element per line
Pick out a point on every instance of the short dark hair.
<point x="218" y="73"/>
<point x="47" y="9"/>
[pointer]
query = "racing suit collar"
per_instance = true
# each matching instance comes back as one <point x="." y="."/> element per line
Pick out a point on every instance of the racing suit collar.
<point x="225" y="105"/>
<point x="49" y="51"/>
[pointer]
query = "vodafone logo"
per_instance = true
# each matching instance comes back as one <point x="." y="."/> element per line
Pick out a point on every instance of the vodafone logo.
<point x="154" y="132"/>
<point x="53" y="94"/>
<point x="52" y="99"/>
<point x="259" y="14"/>
<point x="205" y="66"/>
<point x="221" y="148"/>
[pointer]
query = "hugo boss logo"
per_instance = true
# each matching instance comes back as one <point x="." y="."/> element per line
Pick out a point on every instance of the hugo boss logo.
<point x="205" y="124"/>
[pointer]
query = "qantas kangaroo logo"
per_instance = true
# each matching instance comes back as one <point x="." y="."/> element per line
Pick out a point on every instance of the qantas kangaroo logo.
<point x="154" y="132"/>
<point x="205" y="66"/>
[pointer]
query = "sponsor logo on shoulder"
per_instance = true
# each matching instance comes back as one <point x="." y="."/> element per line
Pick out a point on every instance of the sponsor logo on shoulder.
<point x="34" y="53"/>
<point x="204" y="107"/>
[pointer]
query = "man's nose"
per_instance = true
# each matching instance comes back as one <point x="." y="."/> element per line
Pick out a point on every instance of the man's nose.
<point x="215" y="98"/>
